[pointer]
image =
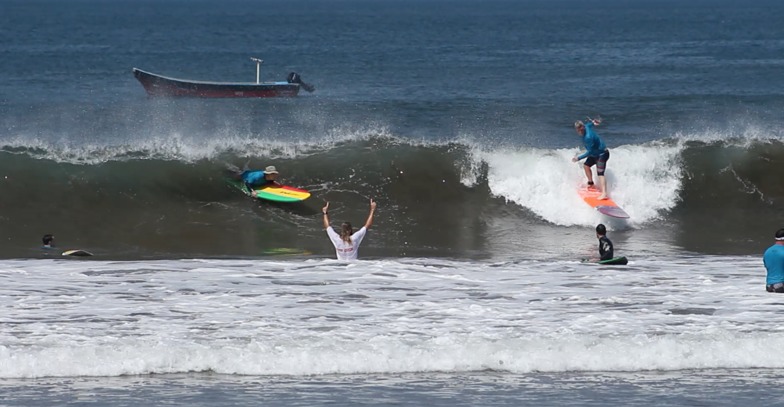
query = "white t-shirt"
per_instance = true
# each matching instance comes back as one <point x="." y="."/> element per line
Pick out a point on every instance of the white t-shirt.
<point x="346" y="251"/>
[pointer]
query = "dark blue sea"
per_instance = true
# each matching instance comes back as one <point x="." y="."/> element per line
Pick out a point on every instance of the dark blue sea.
<point x="456" y="117"/>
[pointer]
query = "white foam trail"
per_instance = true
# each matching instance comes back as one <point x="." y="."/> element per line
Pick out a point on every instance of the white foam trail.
<point x="643" y="180"/>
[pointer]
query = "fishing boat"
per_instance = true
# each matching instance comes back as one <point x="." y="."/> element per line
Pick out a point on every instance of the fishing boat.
<point x="163" y="86"/>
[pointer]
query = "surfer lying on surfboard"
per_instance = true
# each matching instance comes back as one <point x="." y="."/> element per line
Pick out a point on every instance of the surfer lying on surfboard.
<point x="264" y="185"/>
<point x="596" y="153"/>
<point x="259" y="178"/>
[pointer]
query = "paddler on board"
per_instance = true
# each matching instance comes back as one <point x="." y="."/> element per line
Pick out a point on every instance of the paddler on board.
<point x="596" y="153"/>
<point x="259" y="178"/>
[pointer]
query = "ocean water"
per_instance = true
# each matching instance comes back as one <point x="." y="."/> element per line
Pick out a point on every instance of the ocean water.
<point x="456" y="117"/>
<point x="413" y="331"/>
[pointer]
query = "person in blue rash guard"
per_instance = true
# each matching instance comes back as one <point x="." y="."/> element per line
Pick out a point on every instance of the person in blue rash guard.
<point x="596" y="153"/>
<point x="259" y="178"/>
<point x="774" y="263"/>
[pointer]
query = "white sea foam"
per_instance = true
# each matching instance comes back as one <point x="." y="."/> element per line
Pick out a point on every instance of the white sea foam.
<point x="643" y="180"/>
<point x="301" y="317"/>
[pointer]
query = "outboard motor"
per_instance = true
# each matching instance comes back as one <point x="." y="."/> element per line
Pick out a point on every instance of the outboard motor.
<point x="295" y="78"/>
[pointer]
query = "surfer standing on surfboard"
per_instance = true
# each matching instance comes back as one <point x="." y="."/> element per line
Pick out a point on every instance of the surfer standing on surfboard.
<point x="596" y="153"/>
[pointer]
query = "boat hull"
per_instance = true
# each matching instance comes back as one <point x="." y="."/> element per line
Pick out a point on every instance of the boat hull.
<point x="161" y="86"/>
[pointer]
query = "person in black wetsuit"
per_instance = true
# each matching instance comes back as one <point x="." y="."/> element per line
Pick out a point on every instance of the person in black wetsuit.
<point x="605" y="245"/>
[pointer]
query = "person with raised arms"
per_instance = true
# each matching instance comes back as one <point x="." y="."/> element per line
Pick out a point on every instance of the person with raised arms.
<point x="347" y="242"/>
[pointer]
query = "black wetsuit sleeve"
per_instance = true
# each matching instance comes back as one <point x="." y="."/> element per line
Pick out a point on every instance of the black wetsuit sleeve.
<point x="605" y="248"/>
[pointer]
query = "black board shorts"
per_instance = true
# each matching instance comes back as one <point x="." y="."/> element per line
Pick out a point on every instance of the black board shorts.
<point x="600" y="161"/>
<point x="775" y="288"/>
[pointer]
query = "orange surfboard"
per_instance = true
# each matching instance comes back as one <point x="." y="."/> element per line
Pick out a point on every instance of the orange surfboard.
<point x="605" y="206"/>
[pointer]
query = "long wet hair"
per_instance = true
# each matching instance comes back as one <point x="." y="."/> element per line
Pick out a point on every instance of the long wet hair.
<point x="346" y="231"/>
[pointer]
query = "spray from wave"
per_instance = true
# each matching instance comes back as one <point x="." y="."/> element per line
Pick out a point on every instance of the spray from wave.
<point x="644" y="180"/>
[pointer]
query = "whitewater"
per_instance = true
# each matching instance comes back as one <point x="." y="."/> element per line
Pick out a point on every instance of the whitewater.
<point x="315" y="317"/>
